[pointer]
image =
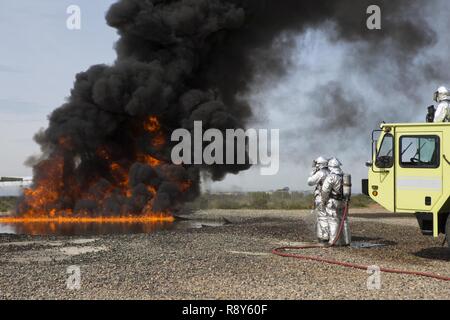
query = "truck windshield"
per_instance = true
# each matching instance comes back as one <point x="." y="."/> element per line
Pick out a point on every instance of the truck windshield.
<point x="387" y="146"/>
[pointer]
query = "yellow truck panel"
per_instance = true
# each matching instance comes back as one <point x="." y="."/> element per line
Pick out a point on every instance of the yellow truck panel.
<point x="410" y="172"/>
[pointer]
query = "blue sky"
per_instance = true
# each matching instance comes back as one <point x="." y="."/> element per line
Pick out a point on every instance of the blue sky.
<point x="39" y="58"/>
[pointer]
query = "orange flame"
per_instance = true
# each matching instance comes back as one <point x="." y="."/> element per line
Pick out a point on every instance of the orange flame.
<point x="149" y="218"/>
<point x="43" y="201"/>
<point x="151" y="161"/>
<point x="152" y="124"/>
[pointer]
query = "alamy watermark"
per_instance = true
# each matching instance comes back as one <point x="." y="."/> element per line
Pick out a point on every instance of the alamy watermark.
<point x="73" y="282"/>
<point x="73" y="21"/>
<point x="374" y="20"/>
<point x="374" y="279"/>
<point x="241" y="147"/>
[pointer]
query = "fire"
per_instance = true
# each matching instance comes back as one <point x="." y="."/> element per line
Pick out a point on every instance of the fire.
<point x="149" y="218"/>
<point x="152" y="124"/>
<point x="121" y="176"/>
<point x="148" y="159"/>
<point x="49" y="188"/>
<point x="151" y="189"/>
<point x="58" y="190"/>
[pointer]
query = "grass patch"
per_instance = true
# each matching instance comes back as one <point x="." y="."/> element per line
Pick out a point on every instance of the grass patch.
<point x="7" y="203"/>
<point x="264" y="200"/>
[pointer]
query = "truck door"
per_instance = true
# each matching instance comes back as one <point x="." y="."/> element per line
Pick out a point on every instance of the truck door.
<point x="381" y="174"/>
<point x="419" y="171"/>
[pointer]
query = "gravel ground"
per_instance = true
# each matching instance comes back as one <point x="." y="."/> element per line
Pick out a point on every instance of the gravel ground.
<point x="232" y="261"/>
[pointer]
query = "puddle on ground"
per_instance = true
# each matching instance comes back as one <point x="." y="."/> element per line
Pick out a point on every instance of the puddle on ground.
<point x="77" y="229"/>
<point x="366" y="245"/>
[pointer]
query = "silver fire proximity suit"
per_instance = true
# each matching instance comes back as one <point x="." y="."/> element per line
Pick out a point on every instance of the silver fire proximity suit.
<point x="442" y="96"/>
<point x="316" y="178"/>
<point x="333" y="201"/>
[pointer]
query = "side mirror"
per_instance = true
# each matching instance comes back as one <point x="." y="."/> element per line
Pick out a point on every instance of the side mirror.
<point x="369" y="164"/>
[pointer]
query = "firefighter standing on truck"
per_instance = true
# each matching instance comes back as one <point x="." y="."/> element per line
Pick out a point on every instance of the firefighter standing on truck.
<point x="442" y="96"/>
<point x="316" y="178"/>
<point x="333" y="201"/>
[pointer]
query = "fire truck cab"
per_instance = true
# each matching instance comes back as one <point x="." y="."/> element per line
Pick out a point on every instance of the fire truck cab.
<point x="410" y="173"/>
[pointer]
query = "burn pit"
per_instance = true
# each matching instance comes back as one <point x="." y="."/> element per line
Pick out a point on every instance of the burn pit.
<point x="100" y="226"/>
<point x="115" y="190"/>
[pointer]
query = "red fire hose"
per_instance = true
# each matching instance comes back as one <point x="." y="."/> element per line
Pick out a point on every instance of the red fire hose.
<point x="282" y="252"/>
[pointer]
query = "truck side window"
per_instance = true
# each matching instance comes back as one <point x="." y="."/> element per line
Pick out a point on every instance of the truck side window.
<point x="385" y="155"/>
<point x="419" y="151"/>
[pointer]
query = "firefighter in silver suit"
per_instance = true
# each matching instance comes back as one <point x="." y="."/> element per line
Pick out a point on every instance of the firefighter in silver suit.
<point x="333" y="200"/>
<point x="442" y="97"/>
<point x="316" y="178"/>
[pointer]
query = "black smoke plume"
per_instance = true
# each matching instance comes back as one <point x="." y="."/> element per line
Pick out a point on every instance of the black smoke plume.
<point x="179" y="61"/>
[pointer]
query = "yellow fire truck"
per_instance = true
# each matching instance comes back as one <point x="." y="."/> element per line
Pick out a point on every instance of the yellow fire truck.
<point x="410" y="173"/>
